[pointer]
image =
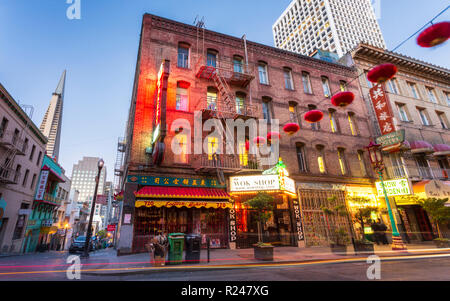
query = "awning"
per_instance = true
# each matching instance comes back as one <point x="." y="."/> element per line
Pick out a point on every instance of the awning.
<point x="421" y="147"/>
<point x="183" y="203"/>
<point x="182" y="193"/>
<point x="441" y="150"/>
<point x="53" y="175"/>
<point x="432" y="189"/>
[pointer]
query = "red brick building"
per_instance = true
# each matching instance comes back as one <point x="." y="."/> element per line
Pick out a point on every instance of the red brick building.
<point x="208" y="72"/>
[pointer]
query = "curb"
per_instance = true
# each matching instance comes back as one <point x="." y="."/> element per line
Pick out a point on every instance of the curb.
<point x="194" y="267"/>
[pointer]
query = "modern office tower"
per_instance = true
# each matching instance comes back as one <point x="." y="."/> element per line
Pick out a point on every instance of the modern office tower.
<point x="83" y="180"/>
<point x="51" y="124"/>
<point x="332" y="25"/>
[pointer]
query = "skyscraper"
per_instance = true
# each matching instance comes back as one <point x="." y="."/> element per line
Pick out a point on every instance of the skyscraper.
<point x="332" y="25"/>
<point x="51" y="124"/>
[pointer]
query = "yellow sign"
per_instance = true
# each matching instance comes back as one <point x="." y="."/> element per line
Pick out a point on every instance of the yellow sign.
<point x="394" y="187"/>
<point x="179" y="204"/>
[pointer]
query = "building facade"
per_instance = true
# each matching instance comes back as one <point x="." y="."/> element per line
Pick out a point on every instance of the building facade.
<point x="332" y="25"/>
<point x="419" y="100"/>
<point x="22" y="148"/>
<point x="221" y="77"/>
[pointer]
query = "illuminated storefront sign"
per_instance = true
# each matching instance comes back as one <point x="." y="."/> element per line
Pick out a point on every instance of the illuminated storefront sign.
<point x="170" y="181"/>
<point x="232" y="223"/>
<point x="394" y="187"/>
<point x="262" y="182"/>
<point x="187" y="204"/>
<point x="298" y="220"/>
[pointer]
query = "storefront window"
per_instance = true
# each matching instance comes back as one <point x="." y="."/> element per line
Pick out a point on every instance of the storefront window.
<point x="213" y="145"/>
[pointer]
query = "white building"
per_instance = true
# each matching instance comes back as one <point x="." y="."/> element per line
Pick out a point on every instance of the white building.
<point x="83" y="180"/>
<point x="332" y="25"/>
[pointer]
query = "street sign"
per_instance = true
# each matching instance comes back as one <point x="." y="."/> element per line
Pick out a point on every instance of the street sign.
<point x="382" y="109"/>
<point x="391" y="138"/>
<point x="111" y="228"/>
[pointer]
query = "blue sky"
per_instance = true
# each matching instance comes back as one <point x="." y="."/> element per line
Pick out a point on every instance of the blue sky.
<point x="37" y="42"/>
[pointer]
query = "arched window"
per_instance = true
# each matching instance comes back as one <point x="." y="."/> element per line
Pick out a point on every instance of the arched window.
<point x="342" y="161"/>
<point x="211" y="57"/>
<point x="333" y="121"/>
<point x="301" y="157"/>
<point x="306" y="83"/>
<point x="182" y="100"/>
<point x="240" y="102"/>
<point x="238" y="63"/>
<point x="262" y="71"/>
<point x="183" y="55"/>
<point x="321" y="158"/>
<point x="288" y="83"/>
<point x="211" y="98"/>
<point x="326" y="86"/>
<point x="267" y="108"/>
<point x="293" y="113"/>
<point x="352" y="123"/>
<point x="316" y="125"/>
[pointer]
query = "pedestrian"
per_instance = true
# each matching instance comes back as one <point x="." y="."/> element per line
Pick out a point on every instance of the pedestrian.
<point x="382" y="228"/>
<point x="376" y="232"/>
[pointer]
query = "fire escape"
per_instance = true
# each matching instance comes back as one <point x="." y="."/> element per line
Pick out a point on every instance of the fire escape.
<point x="224" y="73"/>
<point x="118" y="167"/>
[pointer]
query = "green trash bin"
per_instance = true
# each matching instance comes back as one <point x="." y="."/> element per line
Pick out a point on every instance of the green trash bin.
<point x="176" y="246"/>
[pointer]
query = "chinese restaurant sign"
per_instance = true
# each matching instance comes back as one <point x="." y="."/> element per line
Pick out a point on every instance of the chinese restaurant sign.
<point x="187" y="204"/>
<point x="262" y="182"/>
<point x="298" y="220"/>
<point x="391" y="138"/>
<point x="394" y="187"/>
<point x="169" y="181"/>
<point x="382" y="109"/>
<point x="232" y="223"/>
<point x="42" y="184"/>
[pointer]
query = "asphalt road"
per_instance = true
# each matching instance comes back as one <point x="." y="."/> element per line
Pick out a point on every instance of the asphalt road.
<point x="432" y="269"/>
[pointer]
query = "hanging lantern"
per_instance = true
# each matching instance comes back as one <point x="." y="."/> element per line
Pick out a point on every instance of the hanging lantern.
<point x="291" y="128"/>
<point x="259" y="140"/>
<point x="273" y="136"/>
<point x="247" y="145"/>
<point x="434" y="35"/>
<point x="313" y="116"/>
<point x="342" y="99"/>
<point x="382" y="73"/>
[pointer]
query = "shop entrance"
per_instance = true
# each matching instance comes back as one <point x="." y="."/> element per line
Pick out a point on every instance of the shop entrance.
<point x="210" y="223"/>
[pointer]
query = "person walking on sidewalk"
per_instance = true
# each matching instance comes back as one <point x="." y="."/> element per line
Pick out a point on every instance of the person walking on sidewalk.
<point x="376" y="232"/>
<point x="382" y="228"/>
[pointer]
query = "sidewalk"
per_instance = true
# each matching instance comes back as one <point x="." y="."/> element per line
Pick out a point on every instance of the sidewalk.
<point x="113" y="265"/>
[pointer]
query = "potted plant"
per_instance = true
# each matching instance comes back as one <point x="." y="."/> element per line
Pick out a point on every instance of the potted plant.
<point x="338" y="237"/>
<point x="263" y="205"/>
<point x="438" y="213"/>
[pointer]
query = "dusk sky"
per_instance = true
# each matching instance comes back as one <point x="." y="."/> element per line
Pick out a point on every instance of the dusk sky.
<point x="99" y="52"/>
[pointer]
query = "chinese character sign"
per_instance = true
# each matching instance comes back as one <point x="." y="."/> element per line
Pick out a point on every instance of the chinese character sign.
<point x="41" y="185"/>
<point x="382" y="109"/>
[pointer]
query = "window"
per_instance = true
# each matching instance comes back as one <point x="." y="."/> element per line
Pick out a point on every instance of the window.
<point x="211" y="58"/>
<point x="352" y="124"/>
<point x="183" y="55"/>
<point x="20" y="225"/>
<point x="238" y="64"/>
<point x="413" y="89"/>
<point x="25" y="145"/>
<point x="15" y="136"/>
<point x="326" y="86"/>
<point x="442" y="119"/>
<point x="402" y="112"/>
<point x="243" y="154"/>
<point x="33" y="149"/>
<point x="213" y="145"/>
<point x="393" y="86"/>
<point x="266" y="106"/>
<point x="423" y="116"/>
<point x="181" y="155"/>
<point x="316" y="125"/>
<point x="211" y="98"/>
<point x="293" y="112"/>
<point x="306" y="83"/>
<point x="362" y="164"/>
<point x="343" y="86"/>
<point x="25" y="178"/>
<point x="333" y="121"/>
<point x="33" y="181"/>
<point x="240" y="99"/>
<point x="447" y="97"/>
<point x="342" y="163"/>
<point x="288" y="79"/>
<point x="39" y="158"/>
<point x="301" y="157"/>
<point x="369" y="83"/>
<point x="17" y="174"/>
<point x="431" y="95"/>
<point x="182" y="100"/>
<point x="262" y="71"/>
<point x="320" y="158"/>
<point x="3" y="126"/>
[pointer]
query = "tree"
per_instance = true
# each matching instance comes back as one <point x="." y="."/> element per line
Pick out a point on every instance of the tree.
<point x="263" y="205"/>
<point x="363" y="213"/>
<point x="101" y="234"/>
<point x="437" y="211"/>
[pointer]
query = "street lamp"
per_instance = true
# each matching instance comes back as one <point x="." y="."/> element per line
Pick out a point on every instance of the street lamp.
<point x="89" y="229"/>
<point x="376" y="159"/>
<point x="65" y="235"/>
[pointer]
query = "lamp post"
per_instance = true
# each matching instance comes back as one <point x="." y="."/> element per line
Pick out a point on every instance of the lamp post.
<point x="89" y="229"/>
<point x="65" y="235"/>
<point x="376" y="159"/>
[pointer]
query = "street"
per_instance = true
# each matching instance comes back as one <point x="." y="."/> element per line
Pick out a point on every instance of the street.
<point x="52" y="267"/>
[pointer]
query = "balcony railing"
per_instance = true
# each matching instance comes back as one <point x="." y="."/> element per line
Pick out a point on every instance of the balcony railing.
<point x="10" y="139"/>
<point x="9" y="175"/>
<point x="52" y="199"/>
<point x="227" y="163"/>
<point x="402" y="171"/>
<point x="222" y="109"/>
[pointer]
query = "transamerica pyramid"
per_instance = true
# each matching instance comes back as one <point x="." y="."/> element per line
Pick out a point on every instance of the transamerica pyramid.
<point x="51" y="124"/>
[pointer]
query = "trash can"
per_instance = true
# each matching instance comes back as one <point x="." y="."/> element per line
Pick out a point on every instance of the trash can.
<point x="193" y="247"/>
<point x="176" y="245"/>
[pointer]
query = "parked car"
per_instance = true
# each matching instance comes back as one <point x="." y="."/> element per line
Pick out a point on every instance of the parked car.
<point x="78" y="245"/>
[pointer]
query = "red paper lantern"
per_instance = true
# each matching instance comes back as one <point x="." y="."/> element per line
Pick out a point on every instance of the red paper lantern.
<point x="342" y="99"/>
<point x="247" y="145"/>
<point x="434" y="35"/>
<point x="259" y="140"/>
<point x="313" y="116"/>
<point x="273" y="135"/>
<point x="291" y="128"/>
<point x="382" y="73"/>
